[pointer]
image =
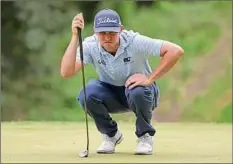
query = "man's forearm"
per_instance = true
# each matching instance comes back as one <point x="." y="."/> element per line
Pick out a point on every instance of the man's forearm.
<point x="167" y="62"/>
<point x="69" y="58"/>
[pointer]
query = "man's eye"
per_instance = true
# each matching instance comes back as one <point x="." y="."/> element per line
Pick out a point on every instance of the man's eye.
<point x="112" y="33"/>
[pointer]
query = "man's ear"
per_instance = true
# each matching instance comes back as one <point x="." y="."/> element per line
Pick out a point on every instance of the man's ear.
<point x="122" y="27"/>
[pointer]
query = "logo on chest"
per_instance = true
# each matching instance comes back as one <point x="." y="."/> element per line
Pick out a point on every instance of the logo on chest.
<point x="127" y="60"/>
<point x="101" y="62"/>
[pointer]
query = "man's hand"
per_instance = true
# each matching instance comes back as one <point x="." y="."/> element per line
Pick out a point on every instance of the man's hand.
<point x="78" y="22"/>
<point x="137" y="80"/>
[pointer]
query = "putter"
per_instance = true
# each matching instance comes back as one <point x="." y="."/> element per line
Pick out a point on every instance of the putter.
<point x="86" y="152"/>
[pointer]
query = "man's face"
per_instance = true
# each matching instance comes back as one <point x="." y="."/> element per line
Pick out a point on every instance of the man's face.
<point x="109" y="41"/>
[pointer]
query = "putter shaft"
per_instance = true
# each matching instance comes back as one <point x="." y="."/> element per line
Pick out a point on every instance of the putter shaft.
<point x="84" y="86"/>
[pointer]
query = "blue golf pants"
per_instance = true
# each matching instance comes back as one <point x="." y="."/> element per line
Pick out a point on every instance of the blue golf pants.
<point x="103" y="98"/>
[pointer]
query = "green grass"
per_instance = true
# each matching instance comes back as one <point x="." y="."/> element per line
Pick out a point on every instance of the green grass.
<point x="206" y="102"/>
<point x="226" y="114"/>
<point x="60" y="142"/>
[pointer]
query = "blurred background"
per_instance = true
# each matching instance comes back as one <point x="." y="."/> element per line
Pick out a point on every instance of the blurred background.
<point x="35" y="34"/>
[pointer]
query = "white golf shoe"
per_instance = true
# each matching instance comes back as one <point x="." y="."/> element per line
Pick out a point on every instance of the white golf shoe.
<point x="144" y="145"/>
<point x="109" y="143"/>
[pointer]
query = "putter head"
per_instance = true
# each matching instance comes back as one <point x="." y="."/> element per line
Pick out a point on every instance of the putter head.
<point x="83" y="154"/>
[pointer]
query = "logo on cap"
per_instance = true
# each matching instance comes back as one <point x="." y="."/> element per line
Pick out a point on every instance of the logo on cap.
<point x="106" y="20"/>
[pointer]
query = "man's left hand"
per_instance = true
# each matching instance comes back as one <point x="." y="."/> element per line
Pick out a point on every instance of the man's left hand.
<point x="137" y="80"/>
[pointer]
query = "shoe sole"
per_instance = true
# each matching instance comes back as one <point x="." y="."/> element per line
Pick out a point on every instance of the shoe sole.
<point x="113" y="151"/>
<point x="143" y="153"/>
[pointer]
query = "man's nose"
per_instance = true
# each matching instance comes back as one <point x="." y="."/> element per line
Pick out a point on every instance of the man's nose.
<point x="107" y="37"/>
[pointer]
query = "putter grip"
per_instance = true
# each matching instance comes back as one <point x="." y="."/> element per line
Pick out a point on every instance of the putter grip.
<point x="80" y="43"/>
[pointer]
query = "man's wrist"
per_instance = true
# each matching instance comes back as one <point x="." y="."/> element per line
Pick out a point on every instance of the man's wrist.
<point x="74" y="36"/>
<point x="150" y="80"/>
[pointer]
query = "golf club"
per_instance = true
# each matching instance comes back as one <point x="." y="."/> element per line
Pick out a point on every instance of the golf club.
<point x="86" y="152"/>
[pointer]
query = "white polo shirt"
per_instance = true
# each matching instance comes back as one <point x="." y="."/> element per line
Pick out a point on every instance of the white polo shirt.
<point x="131" y="57"/>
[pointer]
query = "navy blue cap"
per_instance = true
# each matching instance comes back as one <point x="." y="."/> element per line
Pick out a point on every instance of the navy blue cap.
<point x="107" y="20"/>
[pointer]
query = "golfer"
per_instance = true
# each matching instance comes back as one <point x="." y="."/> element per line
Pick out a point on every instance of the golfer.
<point x="126" y="82"/>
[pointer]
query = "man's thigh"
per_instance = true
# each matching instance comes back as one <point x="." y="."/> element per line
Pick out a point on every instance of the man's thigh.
<point x="104" y="93"/>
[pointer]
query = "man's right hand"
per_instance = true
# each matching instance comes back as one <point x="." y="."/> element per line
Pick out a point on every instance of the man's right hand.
<point x="78" y="22"/>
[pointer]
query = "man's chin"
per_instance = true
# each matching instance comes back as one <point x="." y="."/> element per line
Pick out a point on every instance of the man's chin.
<point x="108" y="49"/>
<point x="107" y="45"/>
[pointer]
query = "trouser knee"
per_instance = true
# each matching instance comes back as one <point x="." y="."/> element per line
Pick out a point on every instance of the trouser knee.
<point x="92" y="94"/>
<point x="142" y="97"/>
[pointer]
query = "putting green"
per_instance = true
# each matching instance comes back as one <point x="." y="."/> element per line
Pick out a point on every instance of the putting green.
<point x="38" y="142"/>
